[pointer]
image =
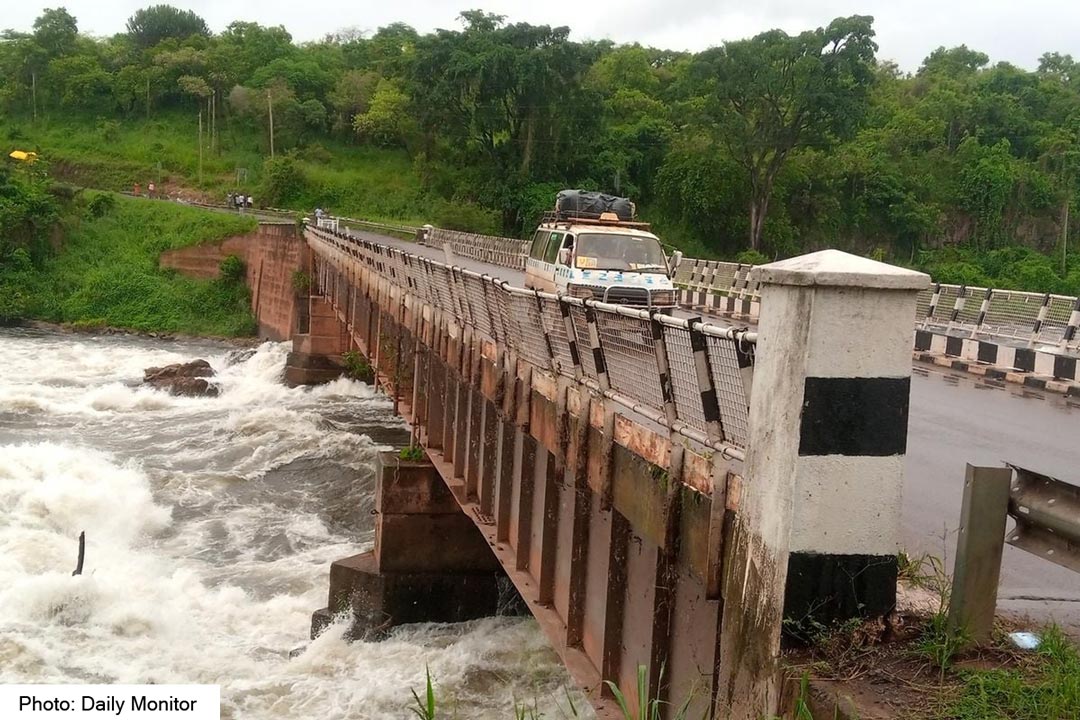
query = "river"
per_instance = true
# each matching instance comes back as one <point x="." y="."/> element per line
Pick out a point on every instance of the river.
<point x="211" y="524"/>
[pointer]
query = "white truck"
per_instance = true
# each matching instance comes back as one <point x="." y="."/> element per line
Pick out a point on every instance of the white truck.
<point x="591" y="247"/>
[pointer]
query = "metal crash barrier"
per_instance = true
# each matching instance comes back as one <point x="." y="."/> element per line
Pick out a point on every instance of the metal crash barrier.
<point x="1046" y="516"/>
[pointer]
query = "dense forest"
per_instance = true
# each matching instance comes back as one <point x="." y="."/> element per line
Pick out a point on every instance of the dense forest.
<point x="764" y="147"/>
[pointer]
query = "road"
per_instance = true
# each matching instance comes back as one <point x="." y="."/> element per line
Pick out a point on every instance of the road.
<point x="955" y="419"/>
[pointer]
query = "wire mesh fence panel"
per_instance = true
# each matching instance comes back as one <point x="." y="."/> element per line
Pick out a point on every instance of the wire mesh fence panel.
<point x="433" y="280"/>
<point x="1057" y="319"/>
<point x="686" y="270"/>
<point x="922" y="304"/>
<point x="630" y="357"/>
<point x="1011" y="314"/>
<point x="528" y="329"/>
<point x="417" y="277"/>
<point x="683" y="372"/>
<point x="730" y="392"/>
<point x="946" y="302"/>
<point x="556" y="331"/>
<point x="461" y="308"/>
<point x="723" y="279"/>
<point x="581" y="329"/>
<point x="474" y="293"/>
<point x="498" y="299"/>
<point x="969" y="314"/>
<point x="440" y="278"/>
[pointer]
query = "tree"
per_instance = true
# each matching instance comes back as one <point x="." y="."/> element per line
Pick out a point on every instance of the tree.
<point x="150" y="25"/>
<point x="955" y="61"/>
<point x="55" y="31"/>
<point x="385" y="120"/>
<point x="775" y="93"/>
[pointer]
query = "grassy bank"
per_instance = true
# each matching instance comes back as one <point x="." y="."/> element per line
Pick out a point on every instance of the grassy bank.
<point x="360" y="181"/>
<point x="105" y="272"/>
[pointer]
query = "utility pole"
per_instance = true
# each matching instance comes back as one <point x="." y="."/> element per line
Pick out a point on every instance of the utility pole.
<point x="270" y="106"/>
<point x="213" y="122"/>
<point x="148" y="97"/>
<point x="33" y="93"/>
<point x="200" y="145"/>
<point x="1065" y="234"/>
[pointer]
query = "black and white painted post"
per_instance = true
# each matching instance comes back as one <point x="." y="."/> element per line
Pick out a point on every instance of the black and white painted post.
<point x="819" y="522"/>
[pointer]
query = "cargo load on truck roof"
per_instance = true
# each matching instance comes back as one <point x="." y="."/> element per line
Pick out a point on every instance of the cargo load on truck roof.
<point x="590" y="204"/>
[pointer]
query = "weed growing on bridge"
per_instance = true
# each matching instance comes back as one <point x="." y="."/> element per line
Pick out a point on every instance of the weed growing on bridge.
<point x="413" y="453"/>
<point x="301" y="282"/>
<point x="357" y="366"/>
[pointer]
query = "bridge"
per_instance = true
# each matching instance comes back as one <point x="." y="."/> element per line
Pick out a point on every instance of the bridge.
<point x="662" y="492"/>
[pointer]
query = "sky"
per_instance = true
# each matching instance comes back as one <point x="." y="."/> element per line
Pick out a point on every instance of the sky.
<point x="1017" y="32"/>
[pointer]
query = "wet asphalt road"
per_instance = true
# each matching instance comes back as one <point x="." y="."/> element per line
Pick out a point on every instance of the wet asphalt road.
<point x="955" y="419"/>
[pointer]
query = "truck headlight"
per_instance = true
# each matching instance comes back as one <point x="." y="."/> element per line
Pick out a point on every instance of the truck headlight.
<point x="580" y="291"/>
<point x="663" y="297"/>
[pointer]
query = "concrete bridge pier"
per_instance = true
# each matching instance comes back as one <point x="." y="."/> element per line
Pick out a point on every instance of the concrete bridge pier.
<point x="317" y="345"/>
<point x="429" y="563"/>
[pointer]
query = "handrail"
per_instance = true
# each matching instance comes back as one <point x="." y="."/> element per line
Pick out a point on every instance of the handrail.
<point x="630" y="347"/>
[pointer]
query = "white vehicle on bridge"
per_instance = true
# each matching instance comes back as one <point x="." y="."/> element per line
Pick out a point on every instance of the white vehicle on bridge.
<point x="591" y="248"/>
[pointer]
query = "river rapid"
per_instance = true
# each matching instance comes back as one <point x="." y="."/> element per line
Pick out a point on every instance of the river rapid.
<point x="211" y="524"/>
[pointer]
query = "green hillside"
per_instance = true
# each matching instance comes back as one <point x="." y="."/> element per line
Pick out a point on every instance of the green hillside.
<point x="105" y="270"/>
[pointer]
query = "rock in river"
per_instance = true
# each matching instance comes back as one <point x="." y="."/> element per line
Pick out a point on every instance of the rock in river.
<point x="183" y="379"/>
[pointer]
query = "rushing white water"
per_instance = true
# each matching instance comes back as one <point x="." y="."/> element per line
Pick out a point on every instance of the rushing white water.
<point x="210" y="525"/>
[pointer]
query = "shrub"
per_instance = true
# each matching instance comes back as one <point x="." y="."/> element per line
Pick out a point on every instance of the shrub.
<point x="232" y="269"/>
<point x="109" y="130"/>
<point x="318" y="154"/>
<point x="12" y="305"/>
<point x="283" y="182"/>
<point x="101" y="205"/>
<point x="751" y="257"/>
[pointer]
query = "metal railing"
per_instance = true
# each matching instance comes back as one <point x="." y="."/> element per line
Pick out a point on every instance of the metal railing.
<point x="1034" y="318"/>
<point x="684" y="374"/>
<point x="504" y="252"/>
<point x="718" y="277"/>
<point x="1046" y="522"/>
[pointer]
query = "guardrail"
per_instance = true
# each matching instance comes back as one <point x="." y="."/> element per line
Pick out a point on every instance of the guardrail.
<point x="1046" y="516"/>
<point x="1011" y="314"/>
<point x="687" y="375"/>
<point x="504" y="252"/>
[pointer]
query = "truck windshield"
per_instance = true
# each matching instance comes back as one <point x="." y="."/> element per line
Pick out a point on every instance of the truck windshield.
<point x="604" y="251"/>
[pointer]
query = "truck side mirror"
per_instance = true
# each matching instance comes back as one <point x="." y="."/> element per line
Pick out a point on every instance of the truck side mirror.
<point x="564" y="256"/>
<point x="673" y="261"/>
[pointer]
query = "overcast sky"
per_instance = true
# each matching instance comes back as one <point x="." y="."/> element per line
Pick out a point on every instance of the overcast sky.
<point x="907" y="31"/>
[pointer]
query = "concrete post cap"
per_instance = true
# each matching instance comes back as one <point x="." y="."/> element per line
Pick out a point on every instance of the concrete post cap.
<point x="834" y="268"/>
